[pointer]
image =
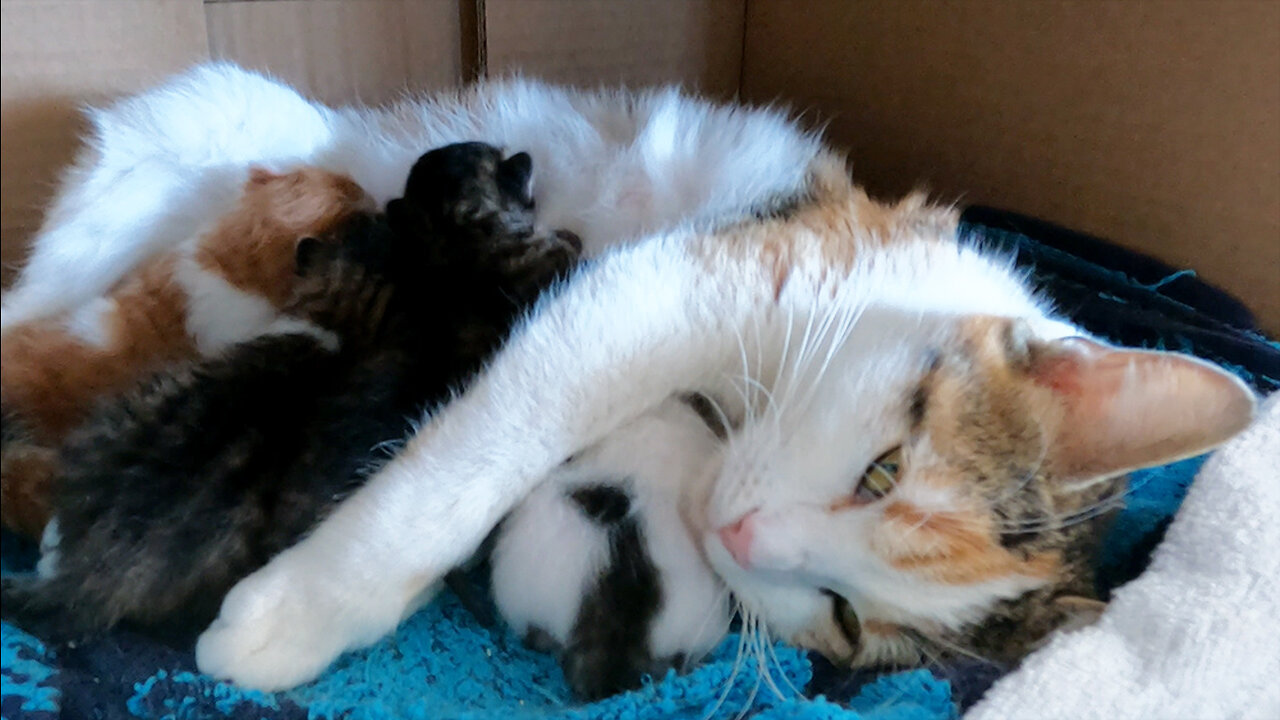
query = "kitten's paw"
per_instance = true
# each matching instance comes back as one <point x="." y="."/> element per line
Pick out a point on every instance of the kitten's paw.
<point x="569" y="243"/>
<point x="276" y="631"/>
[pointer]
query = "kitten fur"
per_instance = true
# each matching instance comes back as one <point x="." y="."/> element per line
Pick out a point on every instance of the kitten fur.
<point x="180" y="488"/>
<point x="225" y="285"/>
<point x="598" y="566"/>
<point x="829" y="335"/>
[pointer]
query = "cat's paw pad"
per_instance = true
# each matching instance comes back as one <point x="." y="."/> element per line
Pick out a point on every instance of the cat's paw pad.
<point x="270" y="634"/>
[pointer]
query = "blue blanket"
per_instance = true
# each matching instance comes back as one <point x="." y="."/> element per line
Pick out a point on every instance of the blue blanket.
<point x="443" y="663"/>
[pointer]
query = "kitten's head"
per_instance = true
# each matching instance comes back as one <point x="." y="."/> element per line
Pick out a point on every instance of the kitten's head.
<point x="914" y="470"/>
<point x="252" y="247"/>
<point x="470" y="187"/>
<point x="346" y="282"/>
<point x="473" y="207"/>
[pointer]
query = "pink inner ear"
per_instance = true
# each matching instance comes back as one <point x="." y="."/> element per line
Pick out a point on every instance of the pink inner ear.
<point x="1127" y="409"/>
<point x="261" y="175"/>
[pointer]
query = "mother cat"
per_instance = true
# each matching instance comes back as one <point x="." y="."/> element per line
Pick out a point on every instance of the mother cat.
<point x="914" y="430"/>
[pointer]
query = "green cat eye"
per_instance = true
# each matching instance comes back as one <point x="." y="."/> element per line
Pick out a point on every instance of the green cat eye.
<point x="880" y="477"/>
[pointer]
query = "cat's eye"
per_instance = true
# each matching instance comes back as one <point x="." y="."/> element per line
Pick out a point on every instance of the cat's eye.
<point x="846" y="618"/>
<point x="880" y="477"/>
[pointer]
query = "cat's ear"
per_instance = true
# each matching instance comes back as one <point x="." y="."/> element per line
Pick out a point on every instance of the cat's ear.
<point x="1119" y="410"/>
<point x="261" y="176"/>
<point x="307" y="255"/>
<point x="515" y="174"/>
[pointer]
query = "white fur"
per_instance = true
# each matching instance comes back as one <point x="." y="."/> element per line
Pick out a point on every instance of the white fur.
<point x="218" y="313"/>
<point x="549" y="554"/>
<point x="91" y="322"/>
<point x="610" y="165"/>
<point x="50" y="539"/>
<point x="545" y="559"/>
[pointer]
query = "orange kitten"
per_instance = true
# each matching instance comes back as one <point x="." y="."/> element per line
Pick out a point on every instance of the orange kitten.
<point x="221" y="287"/>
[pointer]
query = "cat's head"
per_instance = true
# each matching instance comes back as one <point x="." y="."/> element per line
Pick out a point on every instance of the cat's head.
<point x="910" y="470"/>
<point x="467" y="186"/>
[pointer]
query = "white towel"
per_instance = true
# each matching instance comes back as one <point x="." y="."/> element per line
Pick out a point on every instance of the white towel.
<point x="1196" y="636"/>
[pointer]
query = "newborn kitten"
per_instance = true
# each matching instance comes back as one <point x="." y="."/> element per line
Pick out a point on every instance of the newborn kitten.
<point x="598" y="566"/>
<point x="226" y="285"/>
<point x="175" y="491"/>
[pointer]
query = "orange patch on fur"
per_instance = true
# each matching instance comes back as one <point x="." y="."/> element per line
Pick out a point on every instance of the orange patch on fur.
<point x="26" y="477"/>
<point x="957" y="548"/>
<point x="829" y="228"/>
<point x="50" y="379"/>
<point x="253" y="246"/>
<point x="879" y="627"/>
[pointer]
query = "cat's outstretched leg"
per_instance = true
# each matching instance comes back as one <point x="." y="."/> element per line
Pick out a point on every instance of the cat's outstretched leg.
<point x="631" y="330"/>
<point x="157" y="168"/>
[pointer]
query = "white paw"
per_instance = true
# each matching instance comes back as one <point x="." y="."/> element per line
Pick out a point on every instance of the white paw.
<point x="276" y="631"/>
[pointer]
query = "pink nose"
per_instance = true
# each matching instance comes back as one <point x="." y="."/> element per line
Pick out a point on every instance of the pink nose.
<point x="737" y="539"/>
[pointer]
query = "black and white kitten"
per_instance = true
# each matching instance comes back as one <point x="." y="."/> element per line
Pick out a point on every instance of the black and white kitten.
<point x="598" y="565"/>
<point x="175" y="491"/>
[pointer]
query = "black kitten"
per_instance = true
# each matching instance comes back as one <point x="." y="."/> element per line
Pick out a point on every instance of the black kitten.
<point x="174" y="492"/>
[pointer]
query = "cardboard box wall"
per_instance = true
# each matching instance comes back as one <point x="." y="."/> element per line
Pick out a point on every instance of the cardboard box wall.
<point x="1155" y="123"/>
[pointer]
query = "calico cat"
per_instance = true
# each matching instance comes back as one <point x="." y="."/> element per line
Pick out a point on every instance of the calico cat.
<point x="225" y="285"/>
<point x="175" y="491"/>
<point x="907" y="413"/>
<point x="911" y="416"/>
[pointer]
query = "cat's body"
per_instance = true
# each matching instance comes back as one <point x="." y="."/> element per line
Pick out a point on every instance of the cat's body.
<point x="888" y="388"/>
<point x="175" y="491"/>
<point x="223" y="286"/>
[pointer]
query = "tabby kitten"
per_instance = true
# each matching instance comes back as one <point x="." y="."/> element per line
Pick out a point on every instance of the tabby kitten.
<point x="175" y="491"/>
<point x="223" y="286"/>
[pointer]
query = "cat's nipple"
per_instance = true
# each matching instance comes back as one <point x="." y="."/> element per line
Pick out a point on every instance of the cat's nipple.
<point x="737" y="539"/>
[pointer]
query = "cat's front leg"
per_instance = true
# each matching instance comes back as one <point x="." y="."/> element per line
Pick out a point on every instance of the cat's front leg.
<point x="630" y="331"/>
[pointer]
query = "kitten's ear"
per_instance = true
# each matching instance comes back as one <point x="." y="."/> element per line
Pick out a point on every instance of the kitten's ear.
<point x="1121" y="410"/>
<point x="261" y="175"/>
<point x="307" y="255"/>
<point x="515" y="174"/>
